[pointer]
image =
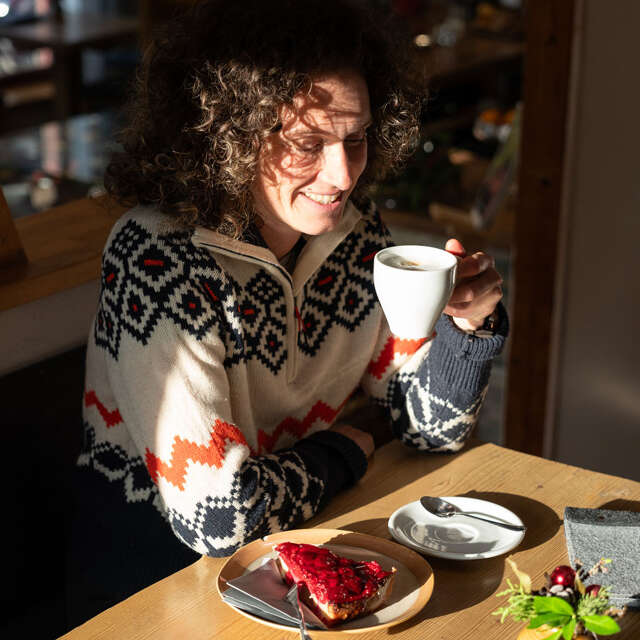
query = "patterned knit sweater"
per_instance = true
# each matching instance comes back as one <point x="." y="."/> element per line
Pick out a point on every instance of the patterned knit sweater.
<point x="213" y="376"/>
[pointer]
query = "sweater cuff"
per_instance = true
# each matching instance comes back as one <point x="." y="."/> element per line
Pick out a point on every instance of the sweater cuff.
<point x="338" y="460"/>
<point x="352" y="455"/>
<point x="463" y="357"/>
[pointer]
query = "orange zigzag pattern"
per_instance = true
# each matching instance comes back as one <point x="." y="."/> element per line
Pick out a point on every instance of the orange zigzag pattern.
<point x="392" y="347"/>
<point x="297" y="428"/>
<point x="213" y="453"/>
<point x="111" y="418"/>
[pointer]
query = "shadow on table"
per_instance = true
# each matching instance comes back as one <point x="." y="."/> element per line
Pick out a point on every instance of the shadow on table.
<point x="373" y="527"/>
<point x="622" y="505"/>
<point x="541" y="521"/>
<point x="387" y="481"/>
<point x="472" y="581"/>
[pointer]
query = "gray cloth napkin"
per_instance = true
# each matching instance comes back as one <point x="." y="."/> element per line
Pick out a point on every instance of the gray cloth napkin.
<point x="592" y="534"/>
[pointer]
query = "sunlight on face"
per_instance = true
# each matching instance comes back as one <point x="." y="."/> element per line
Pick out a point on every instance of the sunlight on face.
<point x="311" y="165"/>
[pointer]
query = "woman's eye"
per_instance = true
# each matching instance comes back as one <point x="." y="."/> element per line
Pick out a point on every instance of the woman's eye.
<point x="309" y="147"/>
<point x="355" y="142"/>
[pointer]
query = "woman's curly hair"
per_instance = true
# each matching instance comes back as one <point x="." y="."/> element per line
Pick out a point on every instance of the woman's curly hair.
<point x="210" y="89"/>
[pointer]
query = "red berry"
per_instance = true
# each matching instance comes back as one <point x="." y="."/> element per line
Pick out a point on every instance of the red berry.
<point x="563" y="575"/>
<point x="593" y="590"/>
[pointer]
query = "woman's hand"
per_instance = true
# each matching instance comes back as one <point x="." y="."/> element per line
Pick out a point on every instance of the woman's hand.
<point x="478" y="288"/>
<point x="363" y="439"/>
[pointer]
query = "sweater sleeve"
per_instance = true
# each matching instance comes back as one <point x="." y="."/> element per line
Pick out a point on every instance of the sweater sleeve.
<point x="433" y="390"/>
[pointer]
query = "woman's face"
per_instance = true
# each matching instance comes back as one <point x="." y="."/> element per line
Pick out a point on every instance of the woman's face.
<point x="308" y="169"/>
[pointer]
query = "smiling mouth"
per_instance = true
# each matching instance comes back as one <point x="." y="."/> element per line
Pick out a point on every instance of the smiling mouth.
<point x="322" y="198"/>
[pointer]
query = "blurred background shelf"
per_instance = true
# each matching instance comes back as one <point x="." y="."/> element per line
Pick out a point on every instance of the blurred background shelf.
<point x="56" y="62"/>
<point x="449" y="213"/>
<point x="470" y="55"/>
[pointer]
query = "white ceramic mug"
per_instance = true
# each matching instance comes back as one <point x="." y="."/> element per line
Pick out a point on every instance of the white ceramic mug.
<point x="414" y="284"/>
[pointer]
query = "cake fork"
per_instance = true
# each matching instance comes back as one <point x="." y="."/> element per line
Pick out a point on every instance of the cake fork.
<point x="293" y="598"/>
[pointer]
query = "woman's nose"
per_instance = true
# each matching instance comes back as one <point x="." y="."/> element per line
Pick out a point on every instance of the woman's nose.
<point x="336" y="169"/>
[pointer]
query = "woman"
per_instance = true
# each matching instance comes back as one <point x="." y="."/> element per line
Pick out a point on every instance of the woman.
<point x="237" y="312"/>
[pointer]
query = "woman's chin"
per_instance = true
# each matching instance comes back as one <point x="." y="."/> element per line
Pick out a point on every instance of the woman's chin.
<point x="317" y="225"/>
<point x="319" y="229"/>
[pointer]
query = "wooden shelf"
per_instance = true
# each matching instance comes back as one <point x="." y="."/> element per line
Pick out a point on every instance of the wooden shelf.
<point x="11" y="250"/>
<point x="440" y="65"/>
<point x="451" y="216"/>
<point x="63" y="247"/>
<point x="454" y="223"/>
<point x="465" y="118"/>
<point x="457" y="223"/>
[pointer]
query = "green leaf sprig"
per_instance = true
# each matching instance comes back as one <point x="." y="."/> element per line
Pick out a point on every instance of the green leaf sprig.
<point x="556" y="612"/>
<point x="591" y="612"/>
<point x="520" y="604"/>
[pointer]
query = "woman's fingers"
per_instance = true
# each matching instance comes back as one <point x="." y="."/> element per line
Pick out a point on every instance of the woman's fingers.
<point x="478" y="308"/>
<point x="474" y="265"/>
<point x="478" y="287"/>
<point x="471" y="288"/>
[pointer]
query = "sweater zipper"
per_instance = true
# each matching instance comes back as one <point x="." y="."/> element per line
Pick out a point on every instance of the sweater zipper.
<point x="293" y="314"/>
<point x="296" y="335"/>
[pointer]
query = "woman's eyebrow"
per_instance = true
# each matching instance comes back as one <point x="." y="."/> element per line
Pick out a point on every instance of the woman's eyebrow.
<point x="364" y="126"/>
<point x="319" y="130"/>
<point x="303" y="129"/>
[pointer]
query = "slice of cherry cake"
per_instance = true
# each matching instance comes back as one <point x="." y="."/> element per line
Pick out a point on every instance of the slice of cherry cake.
<point x="335" y="588"/>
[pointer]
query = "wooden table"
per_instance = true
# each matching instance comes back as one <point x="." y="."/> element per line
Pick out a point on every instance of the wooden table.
<point x="63" y="244"/>
<point x="187" y="605"/>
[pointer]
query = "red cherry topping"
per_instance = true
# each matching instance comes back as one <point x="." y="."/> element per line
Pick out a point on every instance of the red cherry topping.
<point x="593" y="590"/>
<point x="331" y="578"/>
<point x="563" y="575"/>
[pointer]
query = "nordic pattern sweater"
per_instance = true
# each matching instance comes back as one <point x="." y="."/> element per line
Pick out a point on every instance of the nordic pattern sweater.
<point x="213" y="376"/>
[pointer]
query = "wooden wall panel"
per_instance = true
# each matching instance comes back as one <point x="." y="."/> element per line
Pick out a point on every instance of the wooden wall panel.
<point x="547" y="66"/>
<point x="11" y="251"/>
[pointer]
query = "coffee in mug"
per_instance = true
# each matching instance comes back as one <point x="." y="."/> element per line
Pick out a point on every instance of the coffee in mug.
<point x="404" y="263"/>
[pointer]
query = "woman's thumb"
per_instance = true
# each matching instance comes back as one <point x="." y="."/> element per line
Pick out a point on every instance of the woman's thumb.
<point x="455" y="246"/>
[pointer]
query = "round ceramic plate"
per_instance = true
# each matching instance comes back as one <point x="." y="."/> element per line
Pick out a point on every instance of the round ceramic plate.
<point x="458" y="537"/>
<point x="411" y="590"/>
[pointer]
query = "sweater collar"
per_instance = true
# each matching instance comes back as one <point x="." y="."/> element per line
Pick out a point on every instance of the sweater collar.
<point x="315" y="252"/>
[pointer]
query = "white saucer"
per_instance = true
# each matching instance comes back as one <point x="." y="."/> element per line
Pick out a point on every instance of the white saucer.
<point x="458" y="537"/>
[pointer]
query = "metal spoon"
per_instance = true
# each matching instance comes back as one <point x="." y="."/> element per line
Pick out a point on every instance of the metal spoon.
<point x="443" y="509"/>
<point x="293" y="598"/>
